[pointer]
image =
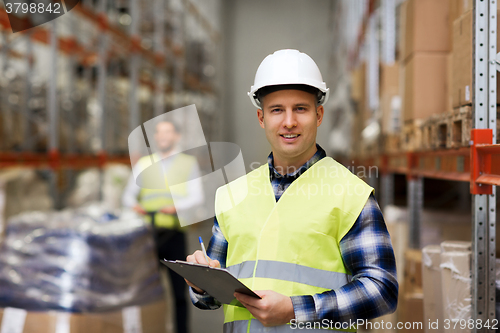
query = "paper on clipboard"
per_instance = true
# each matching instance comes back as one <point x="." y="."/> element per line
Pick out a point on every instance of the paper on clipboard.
<point x="217" y="282"/>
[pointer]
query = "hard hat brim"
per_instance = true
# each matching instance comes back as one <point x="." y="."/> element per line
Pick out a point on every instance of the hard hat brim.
<point x="255" y="101"/>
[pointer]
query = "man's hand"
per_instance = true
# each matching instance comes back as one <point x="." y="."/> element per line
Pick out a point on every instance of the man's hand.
<point x="138" y="208"/>
<point x="199" y="258"/>
<point x="272" y="310"/>
<point x="168" y="210"/>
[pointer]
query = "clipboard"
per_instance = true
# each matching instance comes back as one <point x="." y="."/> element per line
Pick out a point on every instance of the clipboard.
<point x="217" y="282"/>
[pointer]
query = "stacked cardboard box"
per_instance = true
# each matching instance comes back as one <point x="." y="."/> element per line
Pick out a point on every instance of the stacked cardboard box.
<point x="358" y="95"/>
<point x="397" y="226"/>
<point x="390" y="106"/>
<point x="424" y="57"/>
<point x="446" y="274"/>
<point x="146" y="319"/>
<point x="431" y="281"/>
<point x="389" y="91"/>
<point x="458" y="8"/>
<point x="413" y="298"/>
<point x="456" y="283"/>
<point x="425" y="86"/>
<point x="461" y="85"/>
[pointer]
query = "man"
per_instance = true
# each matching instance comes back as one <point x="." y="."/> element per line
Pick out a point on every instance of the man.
<point x="158" y="204"/>
<point x="309" y="237"/>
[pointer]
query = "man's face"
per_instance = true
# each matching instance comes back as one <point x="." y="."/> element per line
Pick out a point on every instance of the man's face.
<point x="166" y="137"/>
<point x="290" y="119"/>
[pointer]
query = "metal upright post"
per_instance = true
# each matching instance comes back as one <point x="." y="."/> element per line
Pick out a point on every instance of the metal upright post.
<point x="71" y="89"/>
<point x="177" y="18"/>
<point x="389" y="30"/>
<point x="415" y="204"/>
<point x="27" y="116"/>
<point x="388" y="22"/>
<point x="159" y="40"/>
<point x="101" y="87"/>
<point x="102" y="71"/>
<point x="387" y="190"/>
<point x="4" y="94"/>
<point x="134" y="117"/>
<point x="483" y="199"/>
<point x="53" y="114"/>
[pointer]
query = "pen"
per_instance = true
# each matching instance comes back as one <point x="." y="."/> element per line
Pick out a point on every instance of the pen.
<point x="203" y="248"/>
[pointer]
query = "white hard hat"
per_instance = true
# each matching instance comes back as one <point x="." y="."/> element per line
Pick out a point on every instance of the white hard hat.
<point x="286" y="67"/>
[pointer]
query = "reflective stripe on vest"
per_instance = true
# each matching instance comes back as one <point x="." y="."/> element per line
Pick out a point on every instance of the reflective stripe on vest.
<point x="290" y="246"/>
<point x="290" y="272"/>
<point x="255" y="326"/>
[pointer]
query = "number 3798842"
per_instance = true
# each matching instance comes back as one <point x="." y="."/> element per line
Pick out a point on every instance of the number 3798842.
<point x="18" y="7"/>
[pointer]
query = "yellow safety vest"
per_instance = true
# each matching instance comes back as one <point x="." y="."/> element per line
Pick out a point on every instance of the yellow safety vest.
<point x="290" y="246"/>
<point x="155" y="199"/>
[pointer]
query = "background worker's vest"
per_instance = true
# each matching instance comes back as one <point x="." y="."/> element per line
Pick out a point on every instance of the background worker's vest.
<point x="154" y="199"/>
<point x="290" y="246"/>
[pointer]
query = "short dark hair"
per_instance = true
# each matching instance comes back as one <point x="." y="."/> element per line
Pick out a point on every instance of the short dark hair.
<point x="262" y="92"/>
<point x="177" y="127"/>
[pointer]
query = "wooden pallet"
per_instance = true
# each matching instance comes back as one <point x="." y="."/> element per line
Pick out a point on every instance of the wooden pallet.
<point x="411" y="139"/>
<point x="369" y="149"/>
<point x="439" y="133"/>
<point x="447" y="130"/>
<point x="391" y="143"/>
<point x="427" y="127"/>
<point x="459" y="127"/>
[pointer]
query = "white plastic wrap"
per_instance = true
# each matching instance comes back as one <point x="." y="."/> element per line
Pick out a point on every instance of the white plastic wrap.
<point x="456" y="285"/>
<point x="82" y="260"/>
<point x="431" y="283"/>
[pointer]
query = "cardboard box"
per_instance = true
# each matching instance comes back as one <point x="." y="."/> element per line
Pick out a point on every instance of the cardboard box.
<point x="389" y="79"/>
<point x="358" y="83"/>
<point x="456" y="282"/>
<point x="390" y="106"/>
<point x="146" y="319"/>
<point x="397" y="226"/>
<point x="461" y="84"/>
<point x="400" y="30"/>
<point x="358" y="94"/>
<point x="413" y="313"/>
<point x="413" y="272"/>
<point x="426" y="28"/>
<point x="425" y="87"/>
<point x="458" y="8"/>
<point x="390" y="101"/>
<point x="454" y="246"/>
<point x="431" y="280"/>
<point x="449" y="80"/>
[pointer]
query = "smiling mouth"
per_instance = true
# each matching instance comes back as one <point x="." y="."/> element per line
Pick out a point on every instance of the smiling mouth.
<point x="289" y="136"/>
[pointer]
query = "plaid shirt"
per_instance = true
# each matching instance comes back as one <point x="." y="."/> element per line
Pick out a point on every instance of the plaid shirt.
<point x="366" y="251"/>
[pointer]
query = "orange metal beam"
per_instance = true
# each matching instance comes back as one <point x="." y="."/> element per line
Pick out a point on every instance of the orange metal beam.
<point x="478" y="164"/>
<point x="56" y="160"/>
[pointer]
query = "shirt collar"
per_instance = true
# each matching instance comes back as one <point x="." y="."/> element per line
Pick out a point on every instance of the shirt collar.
<point x="320" y="153"/>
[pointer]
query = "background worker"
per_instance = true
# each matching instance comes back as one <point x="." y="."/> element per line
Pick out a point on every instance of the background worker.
<point x="170" y="237"/>
<point x="310" y="256"/>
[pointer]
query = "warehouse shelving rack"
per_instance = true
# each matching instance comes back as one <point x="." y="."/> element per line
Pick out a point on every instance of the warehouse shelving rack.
<point x="168" y="52"/>
<point x="478" y="164"/>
